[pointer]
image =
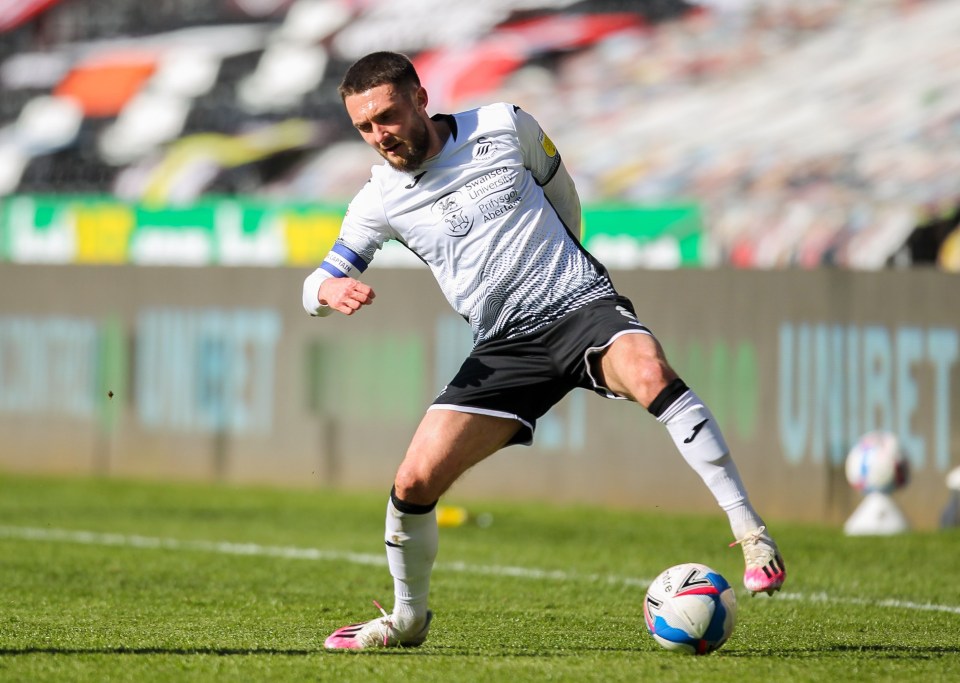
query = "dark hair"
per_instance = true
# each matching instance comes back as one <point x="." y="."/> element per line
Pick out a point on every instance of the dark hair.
<point x="379" y="68"/>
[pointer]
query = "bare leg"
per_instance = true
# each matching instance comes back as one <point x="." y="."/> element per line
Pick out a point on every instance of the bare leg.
<point x="635" y="366"/>
<point x="447" y="443"/>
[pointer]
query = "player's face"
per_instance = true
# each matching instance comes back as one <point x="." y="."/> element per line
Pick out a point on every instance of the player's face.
<point x="392" y="122"/>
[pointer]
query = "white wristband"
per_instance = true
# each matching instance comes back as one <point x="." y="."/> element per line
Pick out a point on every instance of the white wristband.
<point x="311" y="293"/>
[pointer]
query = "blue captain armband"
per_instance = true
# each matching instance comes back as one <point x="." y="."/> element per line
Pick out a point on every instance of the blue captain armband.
<point x="343" y="262"/>
<point x="340" y="262"/>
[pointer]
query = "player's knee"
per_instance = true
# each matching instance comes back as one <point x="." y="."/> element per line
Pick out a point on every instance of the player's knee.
<point x="651" y="376"/>
<point x="637" y="368"/>
<point x="655" y="374"/>
<point x="416" y="484"/>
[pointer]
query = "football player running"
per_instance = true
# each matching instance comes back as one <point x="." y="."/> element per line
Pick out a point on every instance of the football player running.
<point x="483" y="198"/>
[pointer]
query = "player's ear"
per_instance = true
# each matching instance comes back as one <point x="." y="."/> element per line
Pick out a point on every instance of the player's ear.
<point x="420" y="98"/>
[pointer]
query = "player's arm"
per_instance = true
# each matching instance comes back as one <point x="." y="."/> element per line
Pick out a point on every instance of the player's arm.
<point x="332" y="287"/>
<point x="542" y="158"/>
<point x="335" y="285"/>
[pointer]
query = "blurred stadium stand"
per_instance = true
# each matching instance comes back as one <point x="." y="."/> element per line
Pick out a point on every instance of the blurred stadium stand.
<point x="811" y="132"/>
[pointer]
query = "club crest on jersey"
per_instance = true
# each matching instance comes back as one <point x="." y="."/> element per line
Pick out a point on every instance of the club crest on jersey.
<point x="447" y="204"/>
<point x="485" y="148"/>
<point x="457" y="224"/>
<point x="455" y="221"/>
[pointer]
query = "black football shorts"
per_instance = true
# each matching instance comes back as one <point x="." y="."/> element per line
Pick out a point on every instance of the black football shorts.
<point x="523" y="377"/>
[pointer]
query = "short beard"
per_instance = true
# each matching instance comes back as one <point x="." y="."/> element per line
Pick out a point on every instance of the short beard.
<point x="416" y="148"/>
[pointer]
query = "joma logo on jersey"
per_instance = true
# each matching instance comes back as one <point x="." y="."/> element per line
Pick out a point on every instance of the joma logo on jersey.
<point x="485" y="147"/>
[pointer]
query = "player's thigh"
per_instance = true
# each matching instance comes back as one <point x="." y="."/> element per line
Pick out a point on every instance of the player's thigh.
<point x="446" y="444"/>
<point x="636" y="367"/>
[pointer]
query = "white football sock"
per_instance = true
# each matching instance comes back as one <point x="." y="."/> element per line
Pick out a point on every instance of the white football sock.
<point x="697" y="436"/>
<point x="412" y="540"/>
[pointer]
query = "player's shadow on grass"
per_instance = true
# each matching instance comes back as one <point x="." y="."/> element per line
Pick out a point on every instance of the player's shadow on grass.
<point x="905" y="652"/>
<point x="894" y="652"/>
<point x="219" y="651"/>
<point x="493" y="653"/>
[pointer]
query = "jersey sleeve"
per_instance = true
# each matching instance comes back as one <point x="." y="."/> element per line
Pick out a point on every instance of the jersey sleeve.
<point x="543" y="160"/>
<point x="362" y="233"/>
<point x="539" y="153"/>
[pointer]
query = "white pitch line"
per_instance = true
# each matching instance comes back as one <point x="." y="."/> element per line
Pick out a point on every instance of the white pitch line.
<point x="295" y="553"/>
<point x="896" y="604"/>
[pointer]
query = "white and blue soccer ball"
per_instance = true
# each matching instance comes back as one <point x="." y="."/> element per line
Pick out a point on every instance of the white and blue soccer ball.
<point x="876" y="464"/>
<point x="690" y="608"/>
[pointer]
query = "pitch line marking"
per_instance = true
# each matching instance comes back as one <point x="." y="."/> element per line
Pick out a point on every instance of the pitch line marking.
<point x="317" y="554"/>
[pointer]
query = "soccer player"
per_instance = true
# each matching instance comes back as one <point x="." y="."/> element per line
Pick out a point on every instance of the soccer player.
<point x="484" y="200"/>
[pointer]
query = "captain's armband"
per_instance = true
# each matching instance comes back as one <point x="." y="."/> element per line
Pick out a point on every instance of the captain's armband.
<point x="343" y="262"/>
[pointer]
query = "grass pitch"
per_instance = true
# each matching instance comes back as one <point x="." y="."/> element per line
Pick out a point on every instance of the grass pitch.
<point x="103" y="580"/>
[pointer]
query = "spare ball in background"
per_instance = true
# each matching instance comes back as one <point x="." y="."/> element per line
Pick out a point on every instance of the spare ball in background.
<point x="876" y="464"/>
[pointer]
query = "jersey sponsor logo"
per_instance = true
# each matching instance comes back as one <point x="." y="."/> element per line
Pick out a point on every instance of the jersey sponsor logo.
<point x="416" y="179"/>
<point x="483" y="199"/>
<point x="499" y="205"/>
<point x="485" y="148"/>
<point x="491" y="181"/>
<point x="457" y="224"/>
<point x="448" y="203"/>
<point x="454" y="219"/>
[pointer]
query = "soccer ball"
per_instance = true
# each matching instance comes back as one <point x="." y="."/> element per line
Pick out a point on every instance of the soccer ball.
<point x="876" y="464"/>
<point x="690" y="608"/>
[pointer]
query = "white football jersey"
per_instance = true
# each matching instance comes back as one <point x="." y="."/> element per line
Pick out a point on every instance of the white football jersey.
<point x="477" y="215"/>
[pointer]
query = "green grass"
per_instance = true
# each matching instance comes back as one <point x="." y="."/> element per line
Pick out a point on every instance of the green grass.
<point x="117" y="608"/>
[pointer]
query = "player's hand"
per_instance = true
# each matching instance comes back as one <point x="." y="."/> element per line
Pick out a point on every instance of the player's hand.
<point x="345" y="294"/>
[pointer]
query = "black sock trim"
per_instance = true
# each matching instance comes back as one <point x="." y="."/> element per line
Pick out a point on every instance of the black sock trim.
<point x="410" y="508"/>
<point x="667" y="396"/>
